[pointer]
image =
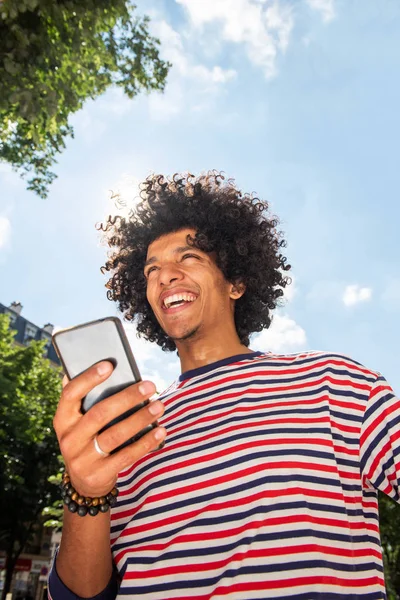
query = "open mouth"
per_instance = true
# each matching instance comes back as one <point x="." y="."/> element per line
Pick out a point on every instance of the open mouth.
<point x="177" y="301"/>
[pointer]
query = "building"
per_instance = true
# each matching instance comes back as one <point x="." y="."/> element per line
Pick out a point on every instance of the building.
<point x="30" y="575"/>
<point x="27" y="331"/>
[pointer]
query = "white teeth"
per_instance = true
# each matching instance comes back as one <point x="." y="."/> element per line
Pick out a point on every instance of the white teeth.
<point x="178" y="298"/>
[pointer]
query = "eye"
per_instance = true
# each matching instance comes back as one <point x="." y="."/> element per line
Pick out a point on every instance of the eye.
<point x="189" y="256"/>
<point x="149" y="271"/>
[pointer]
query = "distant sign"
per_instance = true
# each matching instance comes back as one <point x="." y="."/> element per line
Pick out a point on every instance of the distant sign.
<point x="23" y="564"/>
<point x="40" y="566"/>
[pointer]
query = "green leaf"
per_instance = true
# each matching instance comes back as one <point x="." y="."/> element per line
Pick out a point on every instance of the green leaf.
<point x="10" y="66"/>
<point x="53" y="57"/>
<point x="29" y="391"/>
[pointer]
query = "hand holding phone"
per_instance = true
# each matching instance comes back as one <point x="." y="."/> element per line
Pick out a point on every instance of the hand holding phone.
<point x="82" y="346"/>
<point x="113" y="406"/>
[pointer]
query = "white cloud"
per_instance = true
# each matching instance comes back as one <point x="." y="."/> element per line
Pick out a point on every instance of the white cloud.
<point x="263" y="27"/>
<point x="325" y="7"/>
<point x="5" y="232"/>
<point x="186" y="75"/>
<point x="214" y="75"/>
<point x="354" y="294"/>
<point x="283" y="336"/>
<point x="174" y="50"/>
<point x="330" y="293"/>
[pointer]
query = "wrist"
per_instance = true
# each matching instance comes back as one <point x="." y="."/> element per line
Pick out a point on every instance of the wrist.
<point x="84" y="505"/>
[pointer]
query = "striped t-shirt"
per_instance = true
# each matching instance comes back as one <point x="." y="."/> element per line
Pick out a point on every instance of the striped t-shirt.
<point x="266" y="487"/>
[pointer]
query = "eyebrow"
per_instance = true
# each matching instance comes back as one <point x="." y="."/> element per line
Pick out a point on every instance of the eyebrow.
<point x="178" y="250"/>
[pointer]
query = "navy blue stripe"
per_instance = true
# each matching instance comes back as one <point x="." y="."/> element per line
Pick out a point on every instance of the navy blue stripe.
<point x="208" y="470"/>
<point x="263" y="413"/>
<point x="337" y="569"/>
<point x="232" y="519"/>
<point x="311" y="595"/>
<point x="229" y="548"/>
<point x="287" y="453"/>
<point x="378" y="401"/>
<point x="262" y="396"/>
<point x="271" y="362"/>
<point x="313" y="377"/>
<point x="391" y="425"/>
<point x="214" y="494"/>
<point x="294" y="429"/>
<point x="166" y="458"/>
<point x="347" y="441"/>
<point x="219" y="363"/>
<point x="251" y="454"/>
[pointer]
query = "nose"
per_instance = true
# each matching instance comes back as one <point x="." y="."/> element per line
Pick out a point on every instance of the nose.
<point x="169" y="273"/>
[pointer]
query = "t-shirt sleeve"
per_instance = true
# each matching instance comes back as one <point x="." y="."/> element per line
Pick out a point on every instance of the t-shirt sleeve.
<point x="380" y="440"/>
<point x="57" y="590"/>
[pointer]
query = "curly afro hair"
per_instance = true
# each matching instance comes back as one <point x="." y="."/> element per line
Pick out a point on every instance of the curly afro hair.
<point x="236" y="226"/>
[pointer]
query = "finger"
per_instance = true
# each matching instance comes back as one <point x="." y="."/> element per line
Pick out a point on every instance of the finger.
<point x="131" y="454"/>
<point x="65" y="381"/>
<point x="69" y="407"/>
<point x="77" y="439"/>
<point x="100" y="477"/>
<point x="118" y="434"/>
<point x="102" y="413"/>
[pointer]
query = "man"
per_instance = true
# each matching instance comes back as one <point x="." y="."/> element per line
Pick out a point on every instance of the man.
<point x="266" y="485"/>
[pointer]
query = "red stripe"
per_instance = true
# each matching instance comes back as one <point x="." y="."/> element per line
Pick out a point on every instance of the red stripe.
<point x="234" y="503"/>
<point x="220" y="479"/>
<point x="270" y="372"/>
<point x="323" y="521"/>
<point x="316" y="580"/>
<point x="198" y="460"/>
<point x="297" y="582"/>
<point x="274" y="522"/>
<point x="301" y="549"/>
<point x="284" y="420"/>
<point x="376" y="463"/>
<point x="268" y="390"/>
<point x="378" y="419"/>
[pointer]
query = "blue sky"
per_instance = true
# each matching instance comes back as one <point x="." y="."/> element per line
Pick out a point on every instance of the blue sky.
<point x="299" y="102"/>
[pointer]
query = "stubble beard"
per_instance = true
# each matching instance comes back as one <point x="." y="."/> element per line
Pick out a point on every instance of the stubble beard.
<point x="186" y="336"/>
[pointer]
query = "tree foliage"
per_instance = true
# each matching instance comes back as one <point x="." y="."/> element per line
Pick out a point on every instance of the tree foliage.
<point x="29" y="391"/>
<point x="54" y="56"/>
<point x="389" y="520"/>
<point x="55" y="512"/>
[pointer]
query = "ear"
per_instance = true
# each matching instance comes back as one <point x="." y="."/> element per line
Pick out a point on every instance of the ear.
<point x="237" y="290"/>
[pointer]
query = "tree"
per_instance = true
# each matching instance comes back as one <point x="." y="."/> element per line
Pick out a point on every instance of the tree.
<point x="389" y="521"/>
<point x="53" y="57"/>
<point x="29" y="391"/>
<point x="55" y="512"/>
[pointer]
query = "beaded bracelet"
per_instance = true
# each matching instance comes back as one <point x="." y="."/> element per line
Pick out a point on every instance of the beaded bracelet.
<point x="85" y="505"/>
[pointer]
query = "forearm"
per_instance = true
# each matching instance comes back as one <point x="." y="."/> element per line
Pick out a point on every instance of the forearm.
<point x="84" y="561"/>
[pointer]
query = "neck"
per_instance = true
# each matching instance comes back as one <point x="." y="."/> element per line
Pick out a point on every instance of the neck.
<point x="198" y="351"/>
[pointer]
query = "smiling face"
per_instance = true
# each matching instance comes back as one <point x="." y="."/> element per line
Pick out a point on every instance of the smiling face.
<point x="186" y="290"/>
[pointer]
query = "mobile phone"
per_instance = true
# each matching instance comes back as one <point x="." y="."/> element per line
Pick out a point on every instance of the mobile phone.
<point x="82" y="346"/>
